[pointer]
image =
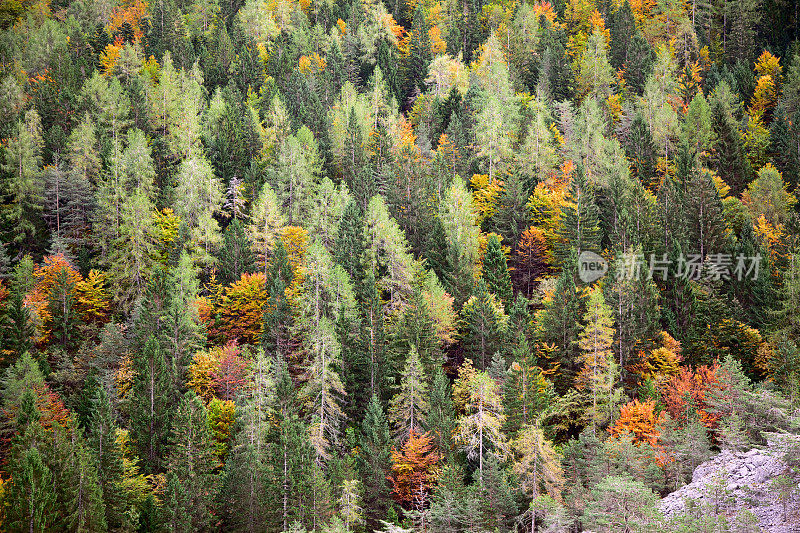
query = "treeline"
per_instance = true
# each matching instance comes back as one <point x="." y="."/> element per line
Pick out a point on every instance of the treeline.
<point x="295" y="266"/>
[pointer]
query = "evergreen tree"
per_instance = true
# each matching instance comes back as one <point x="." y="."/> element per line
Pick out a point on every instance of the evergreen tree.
<point x="485" y="325"/>
<point x="558" y="322"/>
<point x="441" y="419"/>
<point x="579" y="225"/>
<point x="236" y="255"/>
<point x="103" y="440"/>
<point x="275" y="336"/>
<point x="374" y="462"/>
<point x="495" y="270"/>
<point x="409" y="407"/>
<point x="191" y="464"/>
<point x="419" y="54"/>
<point x="30" y="499"/>
<point x="729" y="157"/>
<point x="150" y="422"/>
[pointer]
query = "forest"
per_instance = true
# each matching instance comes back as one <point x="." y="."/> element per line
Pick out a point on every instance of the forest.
<point x="394" y="266"/>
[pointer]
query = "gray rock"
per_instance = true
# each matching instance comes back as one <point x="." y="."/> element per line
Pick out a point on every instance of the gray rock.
<point x="747" y="475"/>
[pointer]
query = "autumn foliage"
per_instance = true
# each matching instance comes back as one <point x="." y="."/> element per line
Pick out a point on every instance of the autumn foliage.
<point x="685" y="395"/>
<point x="236" y="312"/>
<point x="640" y="420"/>
<point x="414" y="470"/>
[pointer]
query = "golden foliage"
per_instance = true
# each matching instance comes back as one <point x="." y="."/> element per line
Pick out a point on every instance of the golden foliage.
<point x="640" y="420"/>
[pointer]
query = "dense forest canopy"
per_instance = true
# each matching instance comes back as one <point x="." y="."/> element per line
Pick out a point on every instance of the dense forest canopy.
<point x="333" y="265"/>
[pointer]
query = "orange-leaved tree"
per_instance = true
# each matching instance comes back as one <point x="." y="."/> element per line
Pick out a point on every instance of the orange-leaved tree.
<point x="685" y="395"/>
<point x="414" y="471"/>
<point x="237" y="314"/>
<point x="640" y="420"/>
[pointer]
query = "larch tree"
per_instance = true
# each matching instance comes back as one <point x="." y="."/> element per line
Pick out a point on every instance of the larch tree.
<point x="328" y="295"/>
<point x="538" y="464"/>
<point x="458" y="216"/>
<point x="409" y="406"/>
<point x="480" y="427"/>
<point x="595" y="342"/>
<point x="24" y="187"/>
<point x="265" y="225"/>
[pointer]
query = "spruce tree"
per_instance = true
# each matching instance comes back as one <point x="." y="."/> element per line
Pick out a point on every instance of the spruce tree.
<point x="236" y="255"/>
<point x="485" y="325"/>
<point x="150" y="421"/>
<point x="374" y="462"/>
<point x="495" y="270"/>
<point x="579" y="229"/>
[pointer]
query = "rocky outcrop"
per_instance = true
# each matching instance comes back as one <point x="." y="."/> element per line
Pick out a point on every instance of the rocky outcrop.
<point x="735" y="481"/>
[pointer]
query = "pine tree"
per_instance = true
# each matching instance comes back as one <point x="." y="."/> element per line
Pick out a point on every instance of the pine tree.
<point x="579" y="228"/>
<point x="150" y="422"/>
<point x="495" y="270"/>
<point x="191" y="464"/>
<point x="24" y="186"/>
<point x="409" y="407"/>
<point x="374" y="462"/>
<point x="236" y="256"/>
<point x="485" y="325"/>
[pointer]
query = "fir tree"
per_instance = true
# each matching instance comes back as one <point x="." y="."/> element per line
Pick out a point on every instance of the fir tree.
<point x="191" y="464"/>
<point x="495" y="270"/>
<point x="150" y="422"/>
<point x="374" y="462"/>
<point x="236" y="255"/>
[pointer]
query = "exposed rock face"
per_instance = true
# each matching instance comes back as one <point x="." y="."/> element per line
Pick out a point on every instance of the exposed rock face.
<point x="735" y="481"/>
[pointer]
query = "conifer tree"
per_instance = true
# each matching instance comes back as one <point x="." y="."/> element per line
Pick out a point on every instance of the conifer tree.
<point x="480" y="428"/>
<point x="558" y="322"/>
<point x="538" y="465"/>
<point x="409" y="406"/>
<point x="579" y="228"/>
<point x="191" y="464"/>
<point x="374" y="462"/>
<point x="595" y="342"/>
<point x="275" y="335"/>
<point x="495" y="270"/>
<point x="485" y="325"/>
<point x="236" y="256"/>
<point x="24" y="186"/>
<point x="29" y="497"/>
<point x="150" y="422"/>
<point x="103" y="439"/>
